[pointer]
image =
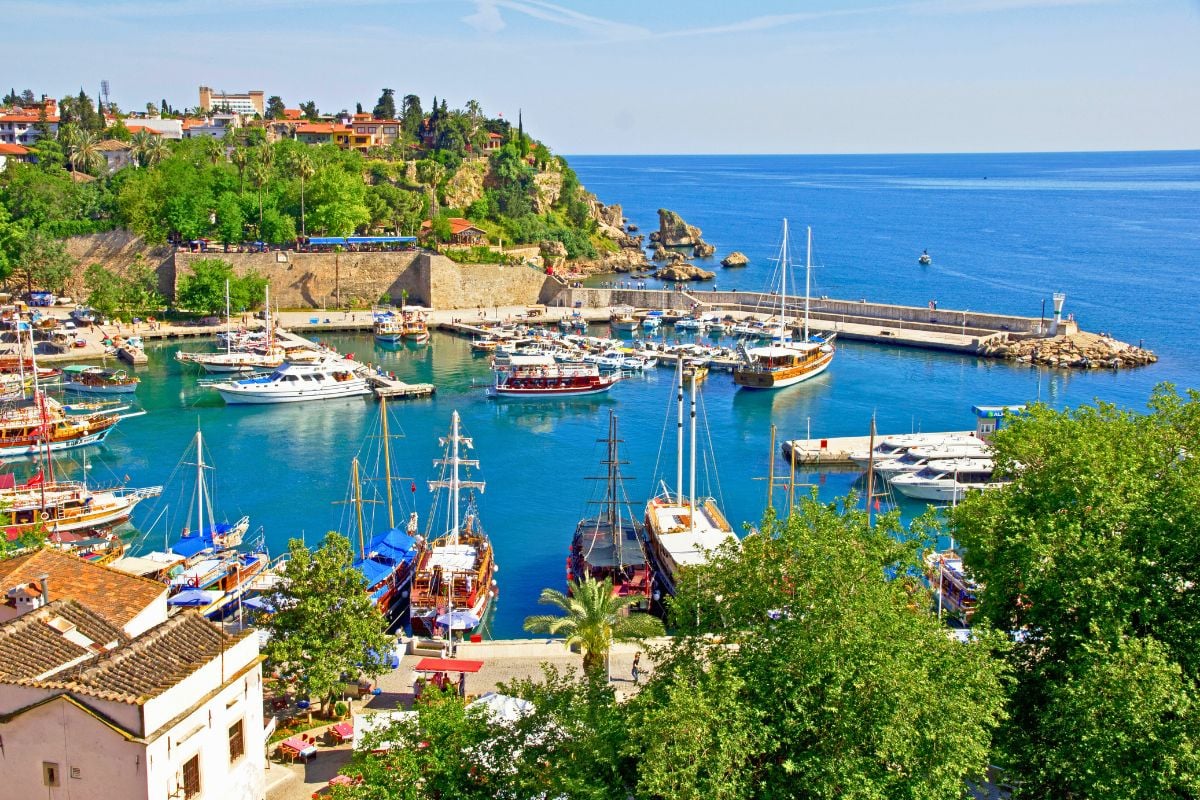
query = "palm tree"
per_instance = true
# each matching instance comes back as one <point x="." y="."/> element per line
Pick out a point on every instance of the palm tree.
<point x="240" y="159"/>
<point x="260" y="174"/>
<point x="302" y="167"/>
<point x="212" y="149"/>
<point x="148" y="148"/>
<point x="83" y="151"/>
<point x="594" y="619"/>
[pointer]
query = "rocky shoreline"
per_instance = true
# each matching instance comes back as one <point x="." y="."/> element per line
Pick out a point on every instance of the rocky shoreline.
<point x="1072" y="351"/>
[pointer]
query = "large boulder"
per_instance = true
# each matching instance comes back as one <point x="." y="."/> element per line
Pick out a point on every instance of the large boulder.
<point x="735" y="259"/>
<point x="660" y="252"/>
<point x="624" y="260"/>
<point x="674" y="232"/>
<point x="702" y="249"/>
<point x="683" y="272"/>
<point x="673" y="257"/>
<point x="547" y="188"/>
<point x="554" y="253"/>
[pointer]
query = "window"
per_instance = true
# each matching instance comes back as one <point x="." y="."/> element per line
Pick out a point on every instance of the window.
<point x="191" y="777"/>
<point x="237" y="744"/>
<point x="50" y="774"/>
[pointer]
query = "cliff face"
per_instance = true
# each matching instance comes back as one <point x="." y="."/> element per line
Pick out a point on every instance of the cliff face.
<point x="465" y="186"/>
<point x="674" y="232"/>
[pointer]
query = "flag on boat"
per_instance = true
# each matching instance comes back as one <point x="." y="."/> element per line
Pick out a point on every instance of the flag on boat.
<point x="37" y="480"/>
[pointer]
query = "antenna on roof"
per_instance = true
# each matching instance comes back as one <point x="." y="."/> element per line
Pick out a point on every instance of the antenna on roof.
<point x="104" y="91"/>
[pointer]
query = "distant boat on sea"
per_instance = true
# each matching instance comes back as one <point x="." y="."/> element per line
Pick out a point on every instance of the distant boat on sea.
<point x="925" y="259"/>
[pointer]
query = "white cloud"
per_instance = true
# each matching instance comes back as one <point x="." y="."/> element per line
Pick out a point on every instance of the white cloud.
<point x="486" y="18"/>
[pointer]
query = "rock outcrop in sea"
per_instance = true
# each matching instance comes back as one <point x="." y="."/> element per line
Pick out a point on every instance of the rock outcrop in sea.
<point x="674" y="232"/>
<point x="735" y="259"/>
<point x="1072" y="351"/>
<point x="683" y="272"/>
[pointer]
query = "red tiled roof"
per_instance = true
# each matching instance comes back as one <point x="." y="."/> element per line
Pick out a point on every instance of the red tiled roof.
<point x="13" y="150"/>
<point x="292" y="113"/>
<point x="138" y="128"/>
<point x="492" y="135"/>
<point x="318" y="127"/>
<point x="457" y="225"/>
<point x="114" y="595"/>
<point x="24" y="117"/>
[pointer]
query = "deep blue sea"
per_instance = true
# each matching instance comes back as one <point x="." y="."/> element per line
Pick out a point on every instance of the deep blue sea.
<point x="1119" y="233"/>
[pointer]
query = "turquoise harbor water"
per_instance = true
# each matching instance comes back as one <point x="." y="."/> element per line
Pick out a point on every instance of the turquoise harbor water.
<point x="1117" y="232"/>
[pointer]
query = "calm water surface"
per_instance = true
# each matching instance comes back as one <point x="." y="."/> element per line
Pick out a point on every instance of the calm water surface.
<point x="1117" y="232"/>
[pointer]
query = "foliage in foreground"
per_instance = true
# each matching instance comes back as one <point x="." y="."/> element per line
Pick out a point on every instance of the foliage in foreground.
<point x="1092" y="555"/>
<point x="204" y="289"/>
<point x="805" y="674"/>
<point x="325" y="625"/>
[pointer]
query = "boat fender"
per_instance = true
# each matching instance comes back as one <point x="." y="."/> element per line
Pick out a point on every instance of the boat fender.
<point x="43" y="516"/>
<point x="495" y="568"/>
<point x="491" y="594"/>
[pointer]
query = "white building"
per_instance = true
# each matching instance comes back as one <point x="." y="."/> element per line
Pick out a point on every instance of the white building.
<point x="166" y="128"/>
<point x="214" y="125"/>
<point x="19" y="125"/>
<point x="248" y="103"/>
<point x="117" y="155"/>
<point x="174" y="712"/>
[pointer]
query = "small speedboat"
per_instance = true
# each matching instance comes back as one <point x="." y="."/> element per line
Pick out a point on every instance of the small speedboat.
<point x="925" y="259"/>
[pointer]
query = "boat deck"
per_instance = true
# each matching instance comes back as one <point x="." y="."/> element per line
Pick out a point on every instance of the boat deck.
<point x="835" y="451"/>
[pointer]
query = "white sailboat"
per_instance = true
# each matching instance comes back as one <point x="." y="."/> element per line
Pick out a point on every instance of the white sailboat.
<point x="208" y="533"/>
<point x="239" y="361"/>
<point x="784" y="362"/>
<point x="683" y="531"/>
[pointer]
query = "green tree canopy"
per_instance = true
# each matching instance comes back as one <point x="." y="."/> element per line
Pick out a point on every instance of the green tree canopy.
<point x="385" y="107"/>
<point x="326" y="625"/>
<point x="274" y="107"/>
<point x="1091" y="554"/>
<point x="43" y="263"/>
<point x="204" y="289"/>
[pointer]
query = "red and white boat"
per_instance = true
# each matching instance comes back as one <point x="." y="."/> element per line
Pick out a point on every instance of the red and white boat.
<point x="542" y="376"/>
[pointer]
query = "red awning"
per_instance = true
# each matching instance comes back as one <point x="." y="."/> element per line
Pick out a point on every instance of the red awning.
<point x="448" y="665"/>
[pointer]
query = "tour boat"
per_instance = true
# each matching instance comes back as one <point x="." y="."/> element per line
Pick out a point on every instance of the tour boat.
<point x="783" y="362"/>
<point x="386" y="559"/>
<point x="54" y="505"/>
<point x="917" y="458"/>
<point x="611" y="545"/>
<point x="954" y="593"/>
<point x="26" y="368"/>
<point x="683" y="530"/>
<point x="215" y="584"/>
<point x="652" y="321"/>
<point x="46" y="426"/>
<point x="542" y="376"/>
<point x="326" y="379"/>
<point x="387" y="327"/>
<point x="688" y="324"/>
<point x="98" y="380"/>
<point x="413" y="327"/>
<point x="946" y="481"/>
<point x="453" y="583"/>
<point x="622" y="319"/>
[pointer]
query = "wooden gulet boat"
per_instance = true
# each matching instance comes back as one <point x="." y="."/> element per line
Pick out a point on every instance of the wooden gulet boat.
<point x="611" y="545"/>
<point x="542" y="376"/>
<point x="453" y="584"/>
<point x="98" y="380"/>
<point x="784" y="362"/>
<point x="682" y="531"/>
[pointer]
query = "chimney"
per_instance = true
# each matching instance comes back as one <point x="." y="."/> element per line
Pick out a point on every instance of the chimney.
<point x="44" y="580"/>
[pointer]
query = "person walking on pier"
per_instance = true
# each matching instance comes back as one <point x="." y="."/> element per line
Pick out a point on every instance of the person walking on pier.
<point x="636" y="672"/>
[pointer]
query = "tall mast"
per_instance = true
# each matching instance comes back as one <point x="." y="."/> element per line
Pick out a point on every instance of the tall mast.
<point x="454" y="483"/>
<point x="783" y="268"/>
<point x="358" y="503"/>
<point x="679" y="432"/>
<point x="692" y="470"/>
<point x="387" y="461"/>
<point x="807" y="281"/>
<point x="199" y="482"/>
<point x="270" y="328"/>
<point x="613" y="476"/>
<point x="228" y="321"/>
<point x="871" y="470"/>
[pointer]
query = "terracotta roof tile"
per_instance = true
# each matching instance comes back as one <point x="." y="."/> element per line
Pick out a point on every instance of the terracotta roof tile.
<point x="152" y="663"/>
<point x="29" y="646"/>
<point x="114" y="595"/>
<point x="13" y="149"/>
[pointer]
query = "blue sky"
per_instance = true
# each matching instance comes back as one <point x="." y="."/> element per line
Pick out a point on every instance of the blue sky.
<point x="664" y="76"/>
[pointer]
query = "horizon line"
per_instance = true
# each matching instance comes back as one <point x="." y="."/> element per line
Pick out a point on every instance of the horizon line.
<point x="900" y="153"/>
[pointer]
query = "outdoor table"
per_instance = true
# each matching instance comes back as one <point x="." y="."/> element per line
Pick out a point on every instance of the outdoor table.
<point x="298" y="748"/>
<point x="343" y="731"/>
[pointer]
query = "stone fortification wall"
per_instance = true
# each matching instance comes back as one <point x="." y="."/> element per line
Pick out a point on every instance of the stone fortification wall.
<point x="321" y="280"/>
<point x="454" y="285"/>
<point x="116" y="251"/>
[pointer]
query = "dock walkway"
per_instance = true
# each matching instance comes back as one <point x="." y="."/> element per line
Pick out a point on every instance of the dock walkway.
<point x="384" y="385"/>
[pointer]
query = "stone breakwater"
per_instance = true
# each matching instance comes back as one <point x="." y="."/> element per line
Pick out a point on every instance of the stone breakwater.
<point x="1079" y="350"/>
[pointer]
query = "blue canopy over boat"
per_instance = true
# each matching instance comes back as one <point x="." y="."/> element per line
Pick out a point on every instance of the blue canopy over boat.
<point x="384" y="552"/>
<point x="193" y="597"/>
<point x="192" y="543"/>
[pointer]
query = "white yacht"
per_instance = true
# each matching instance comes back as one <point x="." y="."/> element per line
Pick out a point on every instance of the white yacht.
<point x="895" y="446"/>
<point x="917" y="458"/>
<point x="293" y="383"/>
<point x="947" y="481"/>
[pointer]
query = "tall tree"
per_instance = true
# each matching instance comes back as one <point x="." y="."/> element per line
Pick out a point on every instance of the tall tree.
<point x="149" y="148"/>
<point x="83" y="150"/>
<point x="302" y="167"/>
<point x="413" y="116"/>
<point x="310" y="111"/>
<point x="862" y="692"/>
<point x="1088" y="552"/>
<point x="326" y="624"/>
<point x="594" y="619"/>
<point x="385" y="107"/>
<point x="274" y="107"/>
<point x="43" y="262"/>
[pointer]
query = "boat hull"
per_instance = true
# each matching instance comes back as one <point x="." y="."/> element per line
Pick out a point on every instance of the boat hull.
<point x="128" y="388"/>
<point x="781" y="378"/>
<point x="266" y="397"/>
<point x="389" y="338"/>
<point x="500" y="393"/>
<point x="34" y="446"/>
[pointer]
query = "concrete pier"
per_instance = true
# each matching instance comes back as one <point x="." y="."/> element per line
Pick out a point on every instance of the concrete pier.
<point x="382" y="384"/>
<point x="835" y="451"/>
